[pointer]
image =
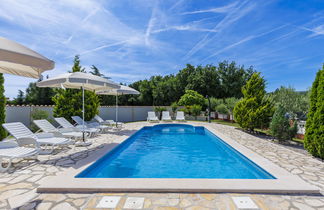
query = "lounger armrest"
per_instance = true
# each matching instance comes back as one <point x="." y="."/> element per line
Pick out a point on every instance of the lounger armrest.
<point x="27" y="141"/>
<point x="45" y="135"/>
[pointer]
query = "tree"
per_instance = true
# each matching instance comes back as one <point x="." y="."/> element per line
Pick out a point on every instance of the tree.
<point x="95" y="71"/>
<point x="314" y="136"/>
<point x="190" y="98"/>
<point x="232" y="78"/>
<point x="280" y="126"/>
<point x="20" y="99"/>
<point x="3" y="133"/>
<point x="230" y="104"/>
<point x="69" y="102"/>
<point x="222" y="109"/>
<point x="254" y="110"/>
<point x="294" y="102"/>
<point x="39" y="96"/>
<point x="76" y="65"/>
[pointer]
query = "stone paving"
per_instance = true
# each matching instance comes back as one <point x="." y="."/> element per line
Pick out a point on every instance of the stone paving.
<point x="18" y="186"/>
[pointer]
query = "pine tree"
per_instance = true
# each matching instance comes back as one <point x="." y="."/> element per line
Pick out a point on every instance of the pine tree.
<point x="314" y="137"/>
<point x="95" y="71"/>
<point x="76" y="65"/>
<point x="254" y="110"/>
<point x="2" y="108"/>
<point x="280" y="126"/>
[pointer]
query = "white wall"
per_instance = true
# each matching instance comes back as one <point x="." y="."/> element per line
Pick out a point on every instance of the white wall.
<point x="125" y="113"/>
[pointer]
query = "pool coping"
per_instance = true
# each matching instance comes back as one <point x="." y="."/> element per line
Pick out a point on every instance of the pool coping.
<point x="285" y="182"/>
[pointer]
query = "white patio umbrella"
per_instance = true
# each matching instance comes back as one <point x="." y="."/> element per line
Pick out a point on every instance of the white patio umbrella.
<point x="19" y="60"/>
<point x="79" y="80"/>
<point x="123" y="90"/>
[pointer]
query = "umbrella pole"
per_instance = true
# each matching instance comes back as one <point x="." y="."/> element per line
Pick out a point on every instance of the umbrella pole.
<point x="83" y="113"/>
<point x="116" y="109"/>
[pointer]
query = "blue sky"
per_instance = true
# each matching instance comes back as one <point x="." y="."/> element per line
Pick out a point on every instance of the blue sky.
<point x="130" y="40"/>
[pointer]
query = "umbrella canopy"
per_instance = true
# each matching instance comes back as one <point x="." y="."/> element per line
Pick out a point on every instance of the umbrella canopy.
<point x="79" y="80"/>
<point x="123" y="90"/>
<point x="19" y="60"/>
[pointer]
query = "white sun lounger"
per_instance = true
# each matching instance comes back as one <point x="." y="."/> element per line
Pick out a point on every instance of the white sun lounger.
<point x="21" y="133"/>
<point x="180" y="116"/>
<point x="10" y="150"/>
<point x="107" y="122"/>
<point x="151" y="117"/>
<point x="166" y="116"/>
<point x="80" y="122"/>
<point x="64" y="123"/>
<point x="47" y="127"/>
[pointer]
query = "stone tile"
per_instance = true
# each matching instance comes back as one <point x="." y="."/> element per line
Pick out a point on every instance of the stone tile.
<point x="65" y="206"/>
<point x="21" y="199"/>
<point x="45" y="205"/>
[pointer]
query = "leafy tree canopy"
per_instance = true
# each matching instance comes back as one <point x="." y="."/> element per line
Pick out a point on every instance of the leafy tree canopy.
<point x="190" y="98"/>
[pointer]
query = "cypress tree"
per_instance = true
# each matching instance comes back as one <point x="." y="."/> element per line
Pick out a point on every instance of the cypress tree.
<point x="254" y="110"/>
<point x="3" y="133"/>
<point x="314" y="137"/>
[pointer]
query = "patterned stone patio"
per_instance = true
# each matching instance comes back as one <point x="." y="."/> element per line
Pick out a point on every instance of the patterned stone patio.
<point x="18" y="186"/>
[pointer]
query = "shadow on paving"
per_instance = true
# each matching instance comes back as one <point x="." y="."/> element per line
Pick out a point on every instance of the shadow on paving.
<point x="79" y="159"/>
<point x="298" y="147"/>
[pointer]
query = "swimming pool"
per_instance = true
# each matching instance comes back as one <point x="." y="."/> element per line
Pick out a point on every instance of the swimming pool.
<point x="174" y="151"/>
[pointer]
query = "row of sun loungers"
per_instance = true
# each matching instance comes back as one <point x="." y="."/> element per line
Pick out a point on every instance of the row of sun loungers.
<point x="151" y="117"/>
<point x="29" y="144"/>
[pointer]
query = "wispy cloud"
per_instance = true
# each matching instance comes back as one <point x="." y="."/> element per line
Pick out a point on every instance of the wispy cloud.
<point x="232" y="16"/>
<point x="135" y="39"/>
<point x="223" y="9"/>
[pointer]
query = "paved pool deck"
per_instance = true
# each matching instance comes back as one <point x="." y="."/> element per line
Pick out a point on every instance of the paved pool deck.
<point x="18" y="187"/>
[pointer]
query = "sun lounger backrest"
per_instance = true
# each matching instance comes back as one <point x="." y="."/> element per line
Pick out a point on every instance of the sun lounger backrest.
<point x="18" y="130"/>
<point x="98" y="118"/>
<point x="180" y="115"/>
<point x="165" y="114"/>
<point x="78" y="120"/>
<point x="63" y="122"/>
<point x="45" y="125"/>
<point x="151" y="115"/>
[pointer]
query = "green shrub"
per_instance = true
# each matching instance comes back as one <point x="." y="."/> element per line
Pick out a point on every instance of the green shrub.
<point x="254" y="110"/>
<point x="230" y="103"/>
<point x="314" y="136"/>
<point x="195" y="110"/>
<point x="222" y="109"/>
<point x="214" y="102"/>
<point x="280" y="126"/>
<point x="174" y="107"/>
<point x="159" y="111"/>
<point x="190" y="98"/>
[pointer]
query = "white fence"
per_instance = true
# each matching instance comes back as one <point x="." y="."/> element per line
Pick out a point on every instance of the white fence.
<point x="125" y="113"/>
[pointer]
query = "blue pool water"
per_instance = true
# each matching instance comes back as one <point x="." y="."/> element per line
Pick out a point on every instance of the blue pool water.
<point x="174" y="151"/>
